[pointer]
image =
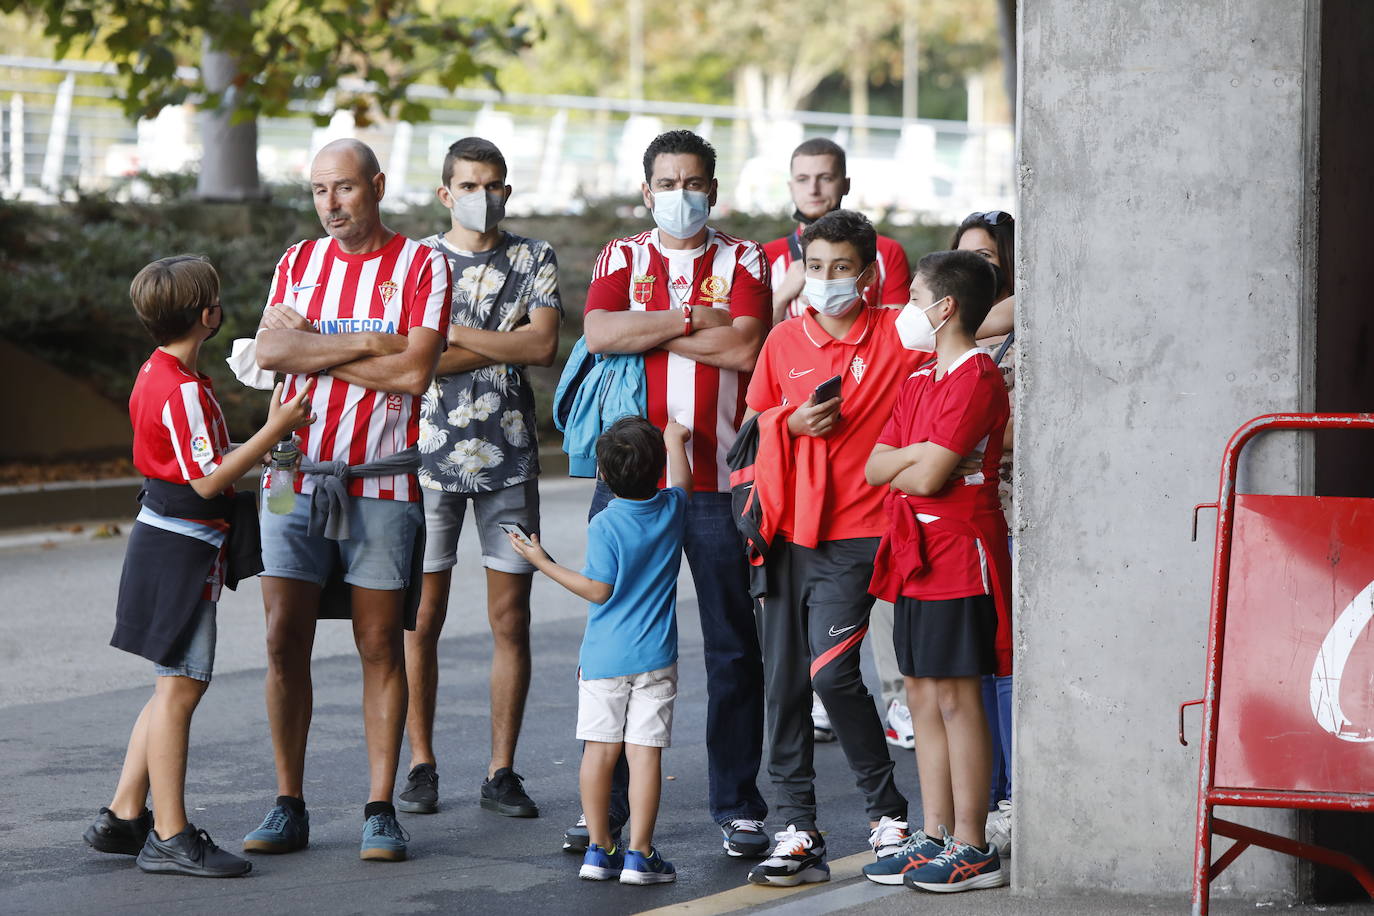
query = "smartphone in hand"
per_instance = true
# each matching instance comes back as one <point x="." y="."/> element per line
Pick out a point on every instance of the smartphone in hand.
<point x="830" y="388"/>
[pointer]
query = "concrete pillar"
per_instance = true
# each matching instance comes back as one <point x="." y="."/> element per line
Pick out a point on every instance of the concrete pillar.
<point x="1165" y="295"/>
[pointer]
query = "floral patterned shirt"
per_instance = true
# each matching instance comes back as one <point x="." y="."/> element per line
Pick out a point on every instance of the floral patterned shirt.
<point x="477" y="430"/>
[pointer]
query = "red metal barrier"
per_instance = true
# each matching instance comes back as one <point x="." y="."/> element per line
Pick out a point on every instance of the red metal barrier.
<point x="1288" y="720"/>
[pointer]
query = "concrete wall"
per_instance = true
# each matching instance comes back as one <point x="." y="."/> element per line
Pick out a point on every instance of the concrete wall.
<point x="1165" y="296"/>
<point x="48" y="415"/>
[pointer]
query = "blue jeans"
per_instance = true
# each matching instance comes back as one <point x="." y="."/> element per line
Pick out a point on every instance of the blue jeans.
<point x="734" y="665"/>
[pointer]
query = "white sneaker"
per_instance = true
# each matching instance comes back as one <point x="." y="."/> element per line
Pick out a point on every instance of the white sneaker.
<point x="899" y="731"/>
<point x="999" y="828"/>
<point x="888" y="838"/>
<point x="820" y="721"/>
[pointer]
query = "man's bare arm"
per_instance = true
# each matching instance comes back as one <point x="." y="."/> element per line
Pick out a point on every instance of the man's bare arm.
<point x="533" y="344"/>
<point x="460" y="359"/>
<point x="287" y="342"/>
<point x="408" y="372"/>
<point x="637" y="332"/>
<point x="735" y="347"/>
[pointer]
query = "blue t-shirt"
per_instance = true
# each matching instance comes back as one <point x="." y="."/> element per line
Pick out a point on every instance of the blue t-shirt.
<point x="635" y="547"/>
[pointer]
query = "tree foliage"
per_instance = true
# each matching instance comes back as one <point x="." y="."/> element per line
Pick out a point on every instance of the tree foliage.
<point x="363" y="54"/>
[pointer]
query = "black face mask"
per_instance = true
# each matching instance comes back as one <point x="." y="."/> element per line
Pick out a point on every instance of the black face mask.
<point x="797" y="216"/>
<point x="215" y="329"/>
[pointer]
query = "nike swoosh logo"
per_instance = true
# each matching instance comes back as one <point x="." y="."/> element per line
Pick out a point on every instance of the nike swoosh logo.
<point x="793" y="373"/>
<point x="299" y="288"/>
<point x="842" y="630"/>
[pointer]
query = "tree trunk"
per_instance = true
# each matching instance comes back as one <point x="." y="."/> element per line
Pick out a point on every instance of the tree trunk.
<point x="229" y="152"/>
<point x="858" y="91"/>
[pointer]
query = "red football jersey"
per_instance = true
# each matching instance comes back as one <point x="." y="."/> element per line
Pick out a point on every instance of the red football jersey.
<point x="179" y="430"/>
<point x="797" y="356"/>
<point x="637" y="274"/>
<point x="400" y="286"/>
<point x="894" y="272"/>
<point x="964" y="411"/>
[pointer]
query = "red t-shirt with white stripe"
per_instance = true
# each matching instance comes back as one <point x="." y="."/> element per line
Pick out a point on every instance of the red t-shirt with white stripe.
<point x="637" y="274"/>
<point x="400" y="286"/>
<point x="894" y="272"/>
<point x="179" y="430"/>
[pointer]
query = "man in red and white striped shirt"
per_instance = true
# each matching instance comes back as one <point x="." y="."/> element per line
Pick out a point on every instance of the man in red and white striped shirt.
<point x="696" y="303"/>
<point x="364" y="312"/>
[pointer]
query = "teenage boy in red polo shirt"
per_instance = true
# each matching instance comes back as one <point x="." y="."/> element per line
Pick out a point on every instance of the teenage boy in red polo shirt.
<point x="945" y="566"/>
<point x="813" y="620"/>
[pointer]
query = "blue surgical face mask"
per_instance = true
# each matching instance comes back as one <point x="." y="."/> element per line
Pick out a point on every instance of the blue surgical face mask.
<point x="832" y="298"/>
<point x="681" y="213"/>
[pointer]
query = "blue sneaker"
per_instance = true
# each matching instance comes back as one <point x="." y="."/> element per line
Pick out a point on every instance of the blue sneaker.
<point x="383" y="839"/>
<point x="917" y="851"/>
<point x="960" y="867"/>
<point x="600" y="864"/>
<point x="650" y="869"/>
<point x="282" y="830"/>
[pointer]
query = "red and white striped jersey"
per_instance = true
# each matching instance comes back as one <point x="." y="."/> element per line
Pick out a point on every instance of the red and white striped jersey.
<point x="894" y="271"/>
<point x="400" y="286"/>
<point x="179" y="429"/>
<point x="637" y="274"/>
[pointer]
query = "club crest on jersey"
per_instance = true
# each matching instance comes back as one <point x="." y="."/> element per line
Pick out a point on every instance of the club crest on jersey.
<point x="714" y="289"/>
<point x="642" y="288"/>
<point x="388" y="288"/>
<point x="857" y="367"/>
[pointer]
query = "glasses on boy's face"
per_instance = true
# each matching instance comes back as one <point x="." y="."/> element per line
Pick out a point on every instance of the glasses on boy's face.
<point x="993" y="217"/>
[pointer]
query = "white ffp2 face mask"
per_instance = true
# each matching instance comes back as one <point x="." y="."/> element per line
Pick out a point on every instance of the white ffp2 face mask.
<point x="832" y="298"/>
<point x="914" y="328"/>
<point x="480" y="211"/>
<point x="681" y="213"/>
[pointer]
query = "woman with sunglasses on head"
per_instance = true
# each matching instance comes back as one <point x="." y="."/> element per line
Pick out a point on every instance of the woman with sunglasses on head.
<point x="993" y="236"/>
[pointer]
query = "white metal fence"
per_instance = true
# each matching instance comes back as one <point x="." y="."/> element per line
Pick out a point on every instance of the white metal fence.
<point x="62" y="128"/>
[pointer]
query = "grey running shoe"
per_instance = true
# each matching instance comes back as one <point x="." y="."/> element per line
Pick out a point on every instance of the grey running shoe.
<point x="282" y="830"/>
<point x="190" y="852"/>
<point x="421" y="792"/>
<point x="109" y="833"/>
<point x="744" y="837"/>
<point x="384" y="840"/>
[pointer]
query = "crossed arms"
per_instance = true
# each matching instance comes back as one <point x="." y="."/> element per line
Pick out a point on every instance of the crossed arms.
<point x="716" y="340"/>
<point x="922" y="469"/>
<point x="391" y="363"/>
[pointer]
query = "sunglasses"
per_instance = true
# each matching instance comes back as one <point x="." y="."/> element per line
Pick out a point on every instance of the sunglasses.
<point x="992" y="217"/>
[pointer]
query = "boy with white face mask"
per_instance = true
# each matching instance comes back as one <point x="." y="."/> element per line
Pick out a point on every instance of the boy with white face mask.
<point x="478" y="451"/>
<point x="815" y="615"/>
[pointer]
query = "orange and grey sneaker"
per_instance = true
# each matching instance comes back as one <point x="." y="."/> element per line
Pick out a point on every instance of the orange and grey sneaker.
<point x="960" y="867"/>
<point x="919" y="849"/>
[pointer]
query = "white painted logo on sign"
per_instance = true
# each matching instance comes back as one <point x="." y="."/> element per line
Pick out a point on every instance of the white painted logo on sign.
<point x="1329" y="667"/>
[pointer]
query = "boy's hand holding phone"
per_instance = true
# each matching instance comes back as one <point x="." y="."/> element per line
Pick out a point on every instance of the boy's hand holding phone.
<point x="820" y="414"/>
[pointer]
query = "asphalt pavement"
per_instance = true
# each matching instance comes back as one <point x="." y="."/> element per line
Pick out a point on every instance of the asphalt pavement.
<point x="67" y="701"/>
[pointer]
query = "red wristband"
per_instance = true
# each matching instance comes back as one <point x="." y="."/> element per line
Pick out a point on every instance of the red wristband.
<point x="686" y="320"/>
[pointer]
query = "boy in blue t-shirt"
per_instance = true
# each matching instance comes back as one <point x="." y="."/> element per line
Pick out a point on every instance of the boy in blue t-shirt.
<point x="627" y="670"/>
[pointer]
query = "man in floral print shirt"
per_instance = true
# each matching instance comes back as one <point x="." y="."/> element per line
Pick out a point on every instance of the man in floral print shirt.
<point x="478" y="448"/>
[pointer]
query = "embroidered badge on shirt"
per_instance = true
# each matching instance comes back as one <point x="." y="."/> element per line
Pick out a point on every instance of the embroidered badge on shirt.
<point x="200" y="449"/>
<point x="857" y="367"/>
<point x="642" y="288"/>
<point x="388" y="288"/>
<point x="714" y="289"/>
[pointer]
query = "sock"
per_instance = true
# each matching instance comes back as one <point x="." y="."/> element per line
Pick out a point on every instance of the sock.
<point x="372" y="809"/>
<point x="292" y="803"/>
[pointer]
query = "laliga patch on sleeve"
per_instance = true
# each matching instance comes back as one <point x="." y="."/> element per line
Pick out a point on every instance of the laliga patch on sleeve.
<point x="200" y="449"/>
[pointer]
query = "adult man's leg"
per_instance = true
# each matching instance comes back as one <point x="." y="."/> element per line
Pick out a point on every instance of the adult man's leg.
<point x="377" y="628"/>
<point x="421" y="793"/>
<point x="734" y="671"/>
<point x="508" y="612"/>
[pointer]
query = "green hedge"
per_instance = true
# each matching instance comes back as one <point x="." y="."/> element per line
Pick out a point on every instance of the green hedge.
<point x="65" y="272"/>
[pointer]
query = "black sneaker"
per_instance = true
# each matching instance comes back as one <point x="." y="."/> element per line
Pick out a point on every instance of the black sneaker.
<point x="504" y="793"/>
<point x="421" y="794"/>
<point x="744" y="837"/>
<point x="576" y="838"/>
<point x="190" y="852"/>
<point x="114" y="834"/>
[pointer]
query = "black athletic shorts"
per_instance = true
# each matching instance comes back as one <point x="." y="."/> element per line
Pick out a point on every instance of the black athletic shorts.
<point x="956" y="637"/>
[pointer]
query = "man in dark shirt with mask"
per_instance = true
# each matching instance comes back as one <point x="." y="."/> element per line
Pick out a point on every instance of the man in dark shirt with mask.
<point x="478" y="449"/>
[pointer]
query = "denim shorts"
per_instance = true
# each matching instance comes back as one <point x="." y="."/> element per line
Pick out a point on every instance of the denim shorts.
<point x="376" y="555"/>
<point x="198" y="658"/>
<point x="444" y="512"/>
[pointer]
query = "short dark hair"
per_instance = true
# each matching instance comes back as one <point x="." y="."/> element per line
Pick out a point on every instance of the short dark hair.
<point x="845" y="226"/>
<point x="473" y="149"/>
<point x="965" y="277"/>
<point x="820" y="146"/>
<point x="631" y="457"/>
<point x="1003" y="233"/>
<point x="679" y="141"/>
<point x="170" y="293"/>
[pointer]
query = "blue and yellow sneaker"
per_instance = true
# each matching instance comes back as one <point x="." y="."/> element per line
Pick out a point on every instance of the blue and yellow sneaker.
<point x="282" y="830"/>
<point x="917" y="851"/>
<point x="650" y="869"/>
<point x="384" y="840"/>
<point x="600" y="864"/>
<point x="960" y="867"/>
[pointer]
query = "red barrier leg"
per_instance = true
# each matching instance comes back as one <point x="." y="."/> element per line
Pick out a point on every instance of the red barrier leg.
<point x="1318" y="854"/>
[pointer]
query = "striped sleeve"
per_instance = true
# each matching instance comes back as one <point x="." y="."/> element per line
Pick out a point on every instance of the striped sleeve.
<point x="611" y="259"/>
<point x="432" y="302"/>
<point x="750" y="294"/>
<point x="281" y="278"/>
<point x="610" y="289"/>
<point x="184" y="419"/>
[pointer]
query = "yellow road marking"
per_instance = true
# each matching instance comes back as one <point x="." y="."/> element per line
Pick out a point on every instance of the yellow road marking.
<point x="750" y="895"/>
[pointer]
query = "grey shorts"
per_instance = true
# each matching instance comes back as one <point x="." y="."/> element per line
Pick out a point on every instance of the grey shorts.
<point x="376" y="555"/>
<point x="444" y="513"/>
<point x="198" y="658"/>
